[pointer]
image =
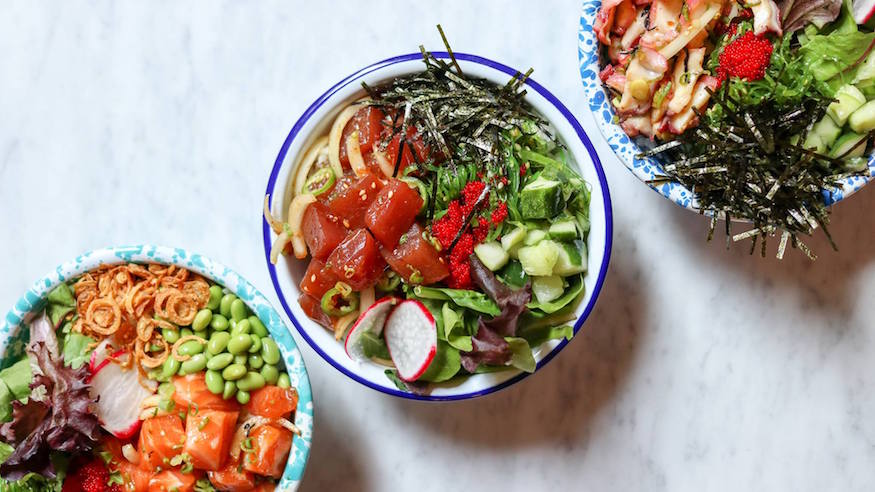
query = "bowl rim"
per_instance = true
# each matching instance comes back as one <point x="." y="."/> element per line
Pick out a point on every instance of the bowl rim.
<point x="588" y="49"/>
<point x="34" y="296"/>
<point x="563" y="110"/>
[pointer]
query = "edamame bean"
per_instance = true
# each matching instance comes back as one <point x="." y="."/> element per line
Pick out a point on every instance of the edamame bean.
<point x="166" y="390"/>
<point x="270" y="352"/>
<point x="270" y="374"/>
<point x="239" y="343"/>
<point x="157" y="375"/>
<point x="215" y="298"/>
<point x="202" y="320"/>
<point x="241" y="359"/>
<point x="255" y="361"/>
<point x="251" y="382"/>
<point x="283" y="381"/>
<point x="242" y="397"/>
<point x="170" y="336"/>
<point x="239" y="310"/>
<point x="241" y="326"/>
<point x="234" y="372"/>
<point x="225" y="304"/>
<point x="214" y="381"/>
<point x="229" y="390"/>
<point x="257" y="326"/>
<point x="190" y="347"/>
<point x="219" y="362"/>
<point x="256" y="344"/>
<point x="195" y="364"/>
<point x="218" y="342"/>
<point x="219" y="322"/>
<point x="185" y="332"/>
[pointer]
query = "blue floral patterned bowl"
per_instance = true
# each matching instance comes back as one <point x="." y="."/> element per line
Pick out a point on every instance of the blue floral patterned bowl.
<point x="648" y="168"/>
<point x="13" y="340"/>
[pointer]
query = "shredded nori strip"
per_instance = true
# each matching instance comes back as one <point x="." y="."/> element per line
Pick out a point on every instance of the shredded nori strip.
<point x="751" y="164"/>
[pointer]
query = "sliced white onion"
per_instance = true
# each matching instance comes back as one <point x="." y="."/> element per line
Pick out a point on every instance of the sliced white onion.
<point x="367" y="298"/>
<point x="279" y="244"/>
<point x="385" y="166"/>
<point x="130" y="453"/>
<point x="250" y="424"/>
<point x="343" y="324"/>
<point x="297" y="208"/>
<point x="354" y="152"/>
<point x="335" y="135"/>
<point x="275" y="224"/>
<point x="306" y="165"/>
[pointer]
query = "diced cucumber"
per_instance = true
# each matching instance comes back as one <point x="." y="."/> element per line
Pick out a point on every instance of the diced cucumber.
<point x="849" y="142"/>
<point x="863" y="119"/>
<point x="856" y="164"/>
<point x="565" y="230"/>
<point x="535" y="236"/>
<point x="571" y="260"/>
<point x="827" y="130"/>
<point x="538" y="260"/>
<point x="513" y="238"/>
<point x="814" y="142"/>
<point x="540" y="199"/>
<point x="492" y="255"/>
<point x="849" y="98"/>
<point x="548" y="288"/>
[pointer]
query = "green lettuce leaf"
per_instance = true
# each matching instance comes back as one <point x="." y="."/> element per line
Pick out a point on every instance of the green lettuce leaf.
<point x="476" y="301"/>
<point x="521" y="354"/>
<point x="60" y="303"/>
<point x="34" y="482"/>
<point x="454" y="330"/>
<point x="76" y="350"/>
<point x="540" y="334"/>
<point x="445" y="365"/>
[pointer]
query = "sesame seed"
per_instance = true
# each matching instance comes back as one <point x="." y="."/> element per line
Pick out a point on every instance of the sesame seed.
<point x="313" y="278"/>
<point x="364" y="198"/>
<point x="345" y="223"/>
<point x="373" y="186"/>
<point x="391" y="192"/>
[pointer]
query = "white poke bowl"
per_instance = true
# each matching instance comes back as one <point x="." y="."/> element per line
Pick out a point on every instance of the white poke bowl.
<point x="315" y="121"/>
<point x="648" y="169"/>
<point x="13" y="339"/>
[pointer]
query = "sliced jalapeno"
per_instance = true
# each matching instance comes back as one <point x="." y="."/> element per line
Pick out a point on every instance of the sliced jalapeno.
<point x="388" y="282"/>
<point x="339" y="301"/>
<point x="320" y="182"/>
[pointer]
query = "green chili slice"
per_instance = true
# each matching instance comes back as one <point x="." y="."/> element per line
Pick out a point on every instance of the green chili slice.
<point x="320" y="182"/>
<point x="336" y="303"/>
<point x="388" y="282"/>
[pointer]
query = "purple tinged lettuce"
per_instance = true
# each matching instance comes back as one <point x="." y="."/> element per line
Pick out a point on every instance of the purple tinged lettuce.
<point x="57" y="415"/>
<point x="796" y="14"/>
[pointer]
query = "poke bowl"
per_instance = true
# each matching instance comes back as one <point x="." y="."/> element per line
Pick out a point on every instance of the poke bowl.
<point x="418" y="336"/>
<point x="787" y="40"/>
<point x="121" y="353"/>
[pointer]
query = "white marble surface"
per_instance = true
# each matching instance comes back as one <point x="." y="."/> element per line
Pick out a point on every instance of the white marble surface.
<point x="700" y="369"/>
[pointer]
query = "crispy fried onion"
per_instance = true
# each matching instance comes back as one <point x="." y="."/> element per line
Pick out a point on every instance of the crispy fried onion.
<point x="131" y="304"/>
<point x="252" y="423"/>
<point x="174" y="351"/>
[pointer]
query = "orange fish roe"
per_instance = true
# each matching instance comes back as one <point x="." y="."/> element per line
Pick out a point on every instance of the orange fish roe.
<point x="747" y="57"/>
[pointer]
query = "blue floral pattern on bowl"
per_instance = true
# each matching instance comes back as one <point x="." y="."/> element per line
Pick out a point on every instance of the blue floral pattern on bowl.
<point x="648" y="168"/>
<point x="13" y="340"/>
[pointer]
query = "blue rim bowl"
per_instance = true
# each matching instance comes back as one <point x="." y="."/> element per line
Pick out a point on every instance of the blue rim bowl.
<point x="647" y="168"/>
<point x="314" y="123"/>
<point x="13" y="340"/>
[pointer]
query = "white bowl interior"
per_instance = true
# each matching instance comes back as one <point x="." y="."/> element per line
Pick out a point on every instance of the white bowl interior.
<point x="290" y="270"/>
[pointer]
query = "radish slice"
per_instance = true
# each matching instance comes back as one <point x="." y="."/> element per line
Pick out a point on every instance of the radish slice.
<point x="412" y="339"/>
<point x="371" y="320"/>
<point x="99" y="356"/>
<point x="119" y="395"/>
<point x="863" y="10"/>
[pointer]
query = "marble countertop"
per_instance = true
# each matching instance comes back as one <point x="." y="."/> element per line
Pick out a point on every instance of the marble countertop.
<point x="700" y="368"/>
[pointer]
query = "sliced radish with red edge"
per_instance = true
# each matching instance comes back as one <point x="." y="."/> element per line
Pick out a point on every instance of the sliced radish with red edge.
<point x="119" y="394"/>
<point x="863" y="10"/>
<point x="411" y="337"/>
<point x="372" y="320"/>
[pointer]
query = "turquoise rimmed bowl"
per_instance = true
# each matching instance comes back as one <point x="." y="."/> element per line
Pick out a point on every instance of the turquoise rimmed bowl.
<point x="13" y="340"/>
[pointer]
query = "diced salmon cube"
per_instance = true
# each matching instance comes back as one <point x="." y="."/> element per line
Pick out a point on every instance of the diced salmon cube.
<point x="357" y="260"/>
<point x="393" y="212"/>
<point x="161" y="438"/>
<point x="272" y="402"/>
<point x="323" y="230"/>
<point x="416" y="260"/>
<point x="172" y="481"/>
<point x="318" y="279"/>
<point x="270" y="450"/>
<point x="208" y="435"/>
<point x="232" y="478"/>
<point x="351" y="198"/>
<point x="192" y="393"/>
